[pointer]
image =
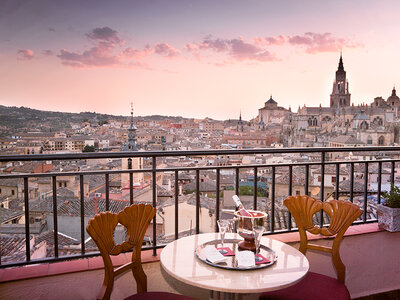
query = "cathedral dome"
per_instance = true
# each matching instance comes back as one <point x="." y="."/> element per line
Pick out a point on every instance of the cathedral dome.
<point x="271" y="101"/>
<point x="393" y="98"/>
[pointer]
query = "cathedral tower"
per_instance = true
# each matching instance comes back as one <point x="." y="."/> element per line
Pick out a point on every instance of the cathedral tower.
<point x="340" y="96"/>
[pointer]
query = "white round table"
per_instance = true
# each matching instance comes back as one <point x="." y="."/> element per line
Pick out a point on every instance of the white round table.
<point x="179" y="260"/>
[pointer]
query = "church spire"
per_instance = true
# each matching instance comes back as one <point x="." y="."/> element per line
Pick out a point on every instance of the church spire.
<point x="341" y="68"/>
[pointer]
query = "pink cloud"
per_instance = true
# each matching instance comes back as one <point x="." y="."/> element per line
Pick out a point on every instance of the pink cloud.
<point x="105" y="34"/>
<point x="166" y="50"/>
<point x="25" y="54"/>
<point x="236" y="49"/>
<point x="194" y="49"/>
<point x="107" y="51"/>
<point x="137" y="54"/>
<point x="246" y="51"/>
<point x="218" y="45"/>
<point x="321" y="42"/>
<point x="278" y="40"/>
<point x="47" y="52"/>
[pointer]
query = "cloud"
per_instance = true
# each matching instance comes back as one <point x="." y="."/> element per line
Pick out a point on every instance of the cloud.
<point x="51" y="29"/>
<point x="218" y="45"/>
<point x="105" y="34"/>
<point x="47" y="52"/>
<point x="166" y="50"/>
<point x="321" y="42"/>
<point x="194" y="49"/>
<point x="107" y="51"/>
<point x="236" y="49"/>
<point x="25" y="54"/>
<point x="137" y="54"/>
<point x="241" y="50"/>
<point x="278" y="40"/>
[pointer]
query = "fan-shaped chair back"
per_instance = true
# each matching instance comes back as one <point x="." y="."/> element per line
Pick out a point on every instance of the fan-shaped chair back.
<point x="136" y="219"/>
<point x="342" y="214"/>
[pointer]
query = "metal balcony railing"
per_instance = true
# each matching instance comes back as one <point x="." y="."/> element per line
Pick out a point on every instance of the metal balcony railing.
<point x="325" y="159"/>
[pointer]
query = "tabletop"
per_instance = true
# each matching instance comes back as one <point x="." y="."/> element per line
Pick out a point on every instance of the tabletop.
<point x="179" y="260"/>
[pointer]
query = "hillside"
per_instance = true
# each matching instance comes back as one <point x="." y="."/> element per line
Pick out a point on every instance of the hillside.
<point x="14" y="120"/>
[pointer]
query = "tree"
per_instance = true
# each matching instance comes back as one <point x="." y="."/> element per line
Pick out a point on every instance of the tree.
<point x="88" y="148"/>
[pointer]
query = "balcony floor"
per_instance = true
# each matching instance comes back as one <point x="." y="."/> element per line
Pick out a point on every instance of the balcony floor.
<point x="85" y="285"/>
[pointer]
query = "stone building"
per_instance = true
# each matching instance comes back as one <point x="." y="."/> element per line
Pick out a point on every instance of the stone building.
<point x="374" y="124"/>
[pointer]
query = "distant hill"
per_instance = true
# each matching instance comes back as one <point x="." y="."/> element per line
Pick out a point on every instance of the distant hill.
<point x="14" y="120"/>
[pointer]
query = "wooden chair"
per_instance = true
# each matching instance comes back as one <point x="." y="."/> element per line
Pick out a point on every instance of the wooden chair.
<point x="317" y="286"/>
<point x="136" y="219"/>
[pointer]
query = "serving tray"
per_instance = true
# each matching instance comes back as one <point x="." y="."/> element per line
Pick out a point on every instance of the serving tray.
<point x="231" y="262"/>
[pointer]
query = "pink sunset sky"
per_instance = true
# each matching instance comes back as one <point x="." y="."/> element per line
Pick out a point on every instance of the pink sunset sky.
<point x="193" y="58"/>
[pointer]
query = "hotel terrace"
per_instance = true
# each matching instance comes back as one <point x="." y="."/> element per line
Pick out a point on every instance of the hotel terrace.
<point x="51" y="256"/>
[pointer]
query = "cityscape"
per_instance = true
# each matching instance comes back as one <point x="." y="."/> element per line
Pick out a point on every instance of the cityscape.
<point x="342" y="124"/>
<point x="99" y="112"/>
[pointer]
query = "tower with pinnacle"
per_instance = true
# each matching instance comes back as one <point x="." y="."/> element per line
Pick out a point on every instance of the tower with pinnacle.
<point x="240" y="124"/>
<point x="134" y="163"/>
<point x="131" y="144"/>
<point x="340" y="96"/>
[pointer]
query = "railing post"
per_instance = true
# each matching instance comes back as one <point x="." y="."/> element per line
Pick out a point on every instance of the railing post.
<point x="154" y="176"/>
<point x="82" y="198"/>
<point x="107" y="191"/>
<point x="337" y="181"/>
<point x="255" y="188"/>
<point x="351" y="181"/>
<point x="176" y="204"/>
<point x="217" y="205"/>
<point x="290" y="193"/>
<point x="27" y="230"/>
<point x="273" y="200"/>
<point x="392" y="173"/>
<point x="55" y="219"/>
<point x="306" y="179"/>
<point x="130" y="181"/>
<point x="322" y="191"/>
<point x="379" y="181"/>
<point x="197" y="201"/>
<point x="365" y="192"/>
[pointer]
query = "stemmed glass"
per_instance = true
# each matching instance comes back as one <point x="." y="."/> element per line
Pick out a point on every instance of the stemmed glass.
<point x="223" y="226"/>
<point x="258" y="230"/>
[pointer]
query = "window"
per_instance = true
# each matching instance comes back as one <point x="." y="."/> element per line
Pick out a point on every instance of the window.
<point x="319" y="178"/>
<point x="297" y="193"/>
<point x="333" y="179"/>
<point x="0" y="191"/>
<point x="13" y="192"/>
<point x="60" y="184"/>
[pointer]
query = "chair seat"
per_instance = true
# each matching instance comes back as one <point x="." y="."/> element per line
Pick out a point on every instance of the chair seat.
<point x="314" y="286"/>
<point x="158" y="295"/>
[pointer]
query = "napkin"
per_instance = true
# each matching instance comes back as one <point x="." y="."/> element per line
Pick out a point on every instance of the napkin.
<point x="226" y="251"/>
<point x="261" y="259"/>
<point x="213" y="255"/>
<point x="245" y="259"/>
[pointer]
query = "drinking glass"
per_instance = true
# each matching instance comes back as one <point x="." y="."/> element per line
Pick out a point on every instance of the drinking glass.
<point x="258" y="230"/>
<point x="224" y="226"/>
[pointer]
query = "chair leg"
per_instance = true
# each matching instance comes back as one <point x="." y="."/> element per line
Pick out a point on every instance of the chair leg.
<point x="108" y="284"/>
<point x="140" y="277"/>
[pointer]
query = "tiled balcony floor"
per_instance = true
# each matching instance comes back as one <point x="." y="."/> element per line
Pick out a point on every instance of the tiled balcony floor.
<point x="85" y="285"/>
